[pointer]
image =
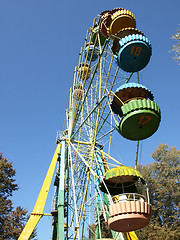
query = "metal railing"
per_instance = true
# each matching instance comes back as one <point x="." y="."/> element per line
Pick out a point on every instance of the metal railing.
<point x="128" y="197"/>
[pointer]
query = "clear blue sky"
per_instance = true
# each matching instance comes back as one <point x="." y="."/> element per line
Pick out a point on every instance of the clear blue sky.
<point x="39" y="46"/>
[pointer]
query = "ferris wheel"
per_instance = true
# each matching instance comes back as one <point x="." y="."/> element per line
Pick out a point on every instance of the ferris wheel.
<point x="92" y="188"/>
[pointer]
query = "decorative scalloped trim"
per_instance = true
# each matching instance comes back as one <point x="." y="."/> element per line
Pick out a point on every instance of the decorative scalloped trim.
<point x="123" y="12"/>
<point x="134" y="85"/>
<point x="120" y="13"/>
<point x="123" y="171"/>
<point x="133" y="37"/>
<point x="140" y="104"/>
<point x="117" y="108"/>
<point x="130" y="207"/>
<point x="131" y="29"/>
<point x="121" y="34"/>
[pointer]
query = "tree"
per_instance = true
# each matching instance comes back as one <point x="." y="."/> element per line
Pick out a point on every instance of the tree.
<point x="105" y="230"/>
<point x="12" y="220"/>
<point x="176" y="47"/>
<point x="162" y="177"/>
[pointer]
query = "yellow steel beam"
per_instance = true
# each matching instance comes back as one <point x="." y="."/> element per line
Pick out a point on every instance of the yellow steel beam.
<point x="41" y="200"/>
<point x="131" y="236"/>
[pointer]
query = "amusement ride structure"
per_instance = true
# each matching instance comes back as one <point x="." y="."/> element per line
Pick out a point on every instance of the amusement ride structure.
<point x="92" y="187"/>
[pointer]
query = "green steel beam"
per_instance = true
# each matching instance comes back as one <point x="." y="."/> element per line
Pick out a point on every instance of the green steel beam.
<point x="60" y="205"/>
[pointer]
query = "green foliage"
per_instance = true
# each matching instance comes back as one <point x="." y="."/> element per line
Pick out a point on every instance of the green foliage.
<point x="12" y="220"/>
<point x="162" y="177"/>
<point x="105" y="230"/>
<point x="176" y="47"/>
<point x="7" y="173"/>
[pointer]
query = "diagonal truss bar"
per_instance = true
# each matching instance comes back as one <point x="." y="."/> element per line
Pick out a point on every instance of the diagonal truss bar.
<point x="99" y="102"/>
<point x="85" y="162"/>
